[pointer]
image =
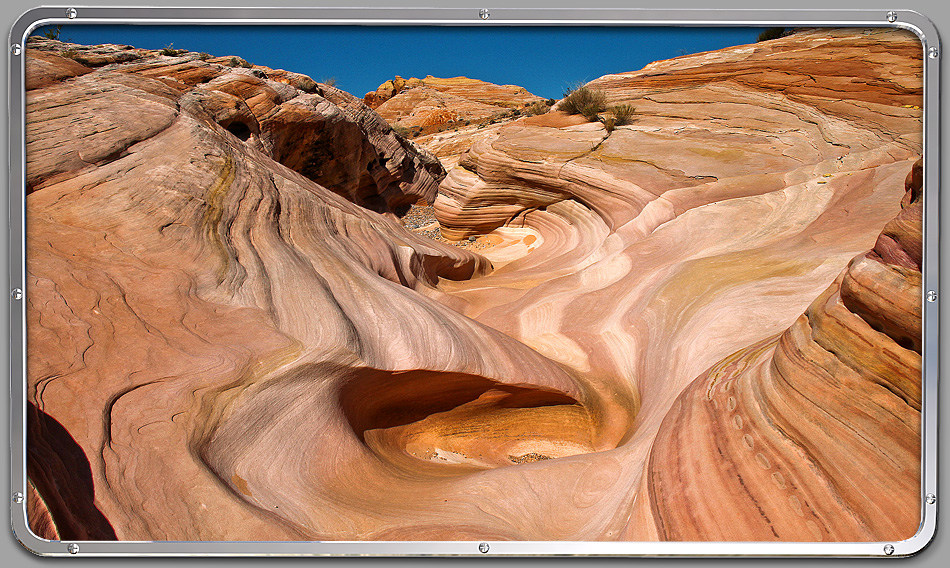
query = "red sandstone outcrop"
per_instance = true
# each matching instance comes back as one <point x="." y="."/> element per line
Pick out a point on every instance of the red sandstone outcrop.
<point x="182" y="283"/>
<point x="321" y="132"/>
<point x="747" y="180"/>
<point x="811" y="421"/>
<point x="771" y="104"/>
<point x="223" y="347"/>
<point x="433" y="104"/>
<point x="510" y="96"/>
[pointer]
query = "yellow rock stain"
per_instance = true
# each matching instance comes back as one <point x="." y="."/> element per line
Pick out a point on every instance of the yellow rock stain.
<point x="240" y="484"/>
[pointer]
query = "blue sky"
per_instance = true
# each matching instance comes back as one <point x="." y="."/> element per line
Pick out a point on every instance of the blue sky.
<point x="544" y="60"/>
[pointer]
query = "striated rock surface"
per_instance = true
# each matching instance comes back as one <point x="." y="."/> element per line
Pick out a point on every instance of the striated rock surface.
<point x="321" y="132"/>
<point x="199" y="313"/>
<point x="708" y="225"/>
<point x="811" y="422"/>
<point x="449" y="145"/>
<point x="432" y="104"/>
<point x="223" y="344"/>
<point x="748" y="111"/>
<point x="511" y="96"/>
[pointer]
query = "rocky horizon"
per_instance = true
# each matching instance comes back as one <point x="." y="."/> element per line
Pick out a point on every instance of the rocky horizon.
<point x="700" y="324"/>
<point x="433" y="104"/>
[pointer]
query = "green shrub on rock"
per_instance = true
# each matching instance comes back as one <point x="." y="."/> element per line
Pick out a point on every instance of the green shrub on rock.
<point x="622" y="114"/>
<point x="584" y="101"/>
<point x="771" y="33"/>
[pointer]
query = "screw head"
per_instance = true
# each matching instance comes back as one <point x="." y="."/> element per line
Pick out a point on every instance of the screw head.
<point x="15" y="49"/>
<point x="18" y="497"/>
<point x="71" y="13"/>
<point x="483" y="547"/>
<point x="888" y="549"/>
<point x="932" y="296"/>
<point x="931" y="498"/>
<point x="73" y="548"/>
<point x="892" y="17"/>
<point x="484" y="14"/>
<point x="933" y="52"/>
<point x="16" y="294"/>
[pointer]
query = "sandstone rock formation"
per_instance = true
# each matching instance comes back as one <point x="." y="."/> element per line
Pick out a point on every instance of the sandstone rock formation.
<point x="841" y="388"/>
<point x="319" y="131"/>
<point x="698" y="234"/>
<point x="511" y="96"/>
<point x="449" y="145"/>
<point x="433" y="104"/>
<point x="226" y="342"/>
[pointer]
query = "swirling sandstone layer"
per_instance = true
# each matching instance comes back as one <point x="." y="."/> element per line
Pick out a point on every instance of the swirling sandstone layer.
<point x="225" y="345"/>
<point x="321" y="132"/>
<point x="811" y="423"/>
<point x="218" y="345"/>
<point x="748" y="179"/>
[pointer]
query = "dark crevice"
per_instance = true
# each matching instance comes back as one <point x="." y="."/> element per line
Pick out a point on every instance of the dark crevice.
<point x="240" y="130"/>
<point x="59" y="470"/>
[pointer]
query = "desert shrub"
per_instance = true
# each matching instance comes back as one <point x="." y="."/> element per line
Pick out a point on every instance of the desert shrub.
<point x="52" y="32"/>
<point x="550" y="102"/>
<point x="69" y="53"/>
<point x="536" y="108"/>
<point x="771" y="33"/>
<point x="401" y="130"/>
<point x="171" y="51"/>
<point x="610" y="123"/>
<point x="238" y="62"/>
<point x="622" y="114"/>
<point x="331" y="81"/>
<point x="204" y="56"/>
<point x="584" y="101"/>
<point x="308" y="85"/>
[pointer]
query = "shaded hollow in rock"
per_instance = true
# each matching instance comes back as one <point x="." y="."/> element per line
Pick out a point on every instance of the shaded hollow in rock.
<point x="461" y="422"/>
<point x="240" y="130"/>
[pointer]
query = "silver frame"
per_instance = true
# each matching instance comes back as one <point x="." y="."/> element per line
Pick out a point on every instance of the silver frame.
<point x="904" y="19"/>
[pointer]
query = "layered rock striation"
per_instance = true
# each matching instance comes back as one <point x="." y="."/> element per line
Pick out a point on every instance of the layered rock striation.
<point x="702" y="325"/>
<point x="433" y="104"/>
<point x="809" y="422"/>
<point x="683" y="244"/>
<point x="323" y="133"/>
<point x="177" y="271"/>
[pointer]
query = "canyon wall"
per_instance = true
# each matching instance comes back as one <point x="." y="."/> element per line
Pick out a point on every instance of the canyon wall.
<point x="701" y="325"/>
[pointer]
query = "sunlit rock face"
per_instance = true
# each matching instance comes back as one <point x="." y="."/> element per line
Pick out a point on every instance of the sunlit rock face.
<point x="811" y="421"/>
<point x="323" y="133"/>
<point x="702" y="325"/>
<point x="432" y="104"/>
<point x="475" y="90"/>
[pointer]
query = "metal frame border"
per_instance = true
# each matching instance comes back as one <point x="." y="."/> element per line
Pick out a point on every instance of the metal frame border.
<point x="904" y="19"/>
